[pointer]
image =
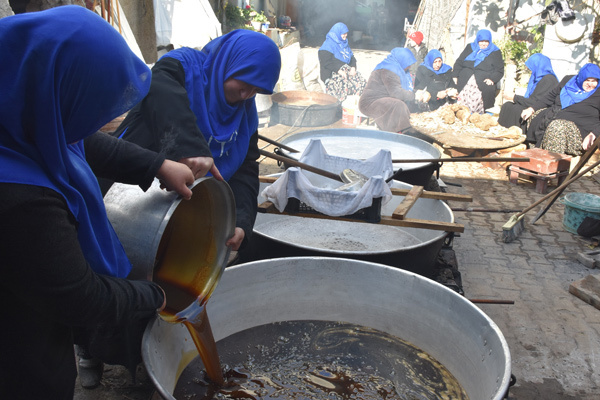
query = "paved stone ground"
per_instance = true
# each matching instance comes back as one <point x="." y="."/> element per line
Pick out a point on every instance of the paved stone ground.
<point x="553" y="336"/>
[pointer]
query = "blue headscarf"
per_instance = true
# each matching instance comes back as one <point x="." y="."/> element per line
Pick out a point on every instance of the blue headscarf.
<point x="431" y="57"/>
<point x="573" y="91"/>
<point x="540" y="66"/>
<point x="336" y="45"/>
<point x="245" y="55"/>
<point x="64" y="74"/>
<point x="397" y="61"/>
<point x="478" y="55"/>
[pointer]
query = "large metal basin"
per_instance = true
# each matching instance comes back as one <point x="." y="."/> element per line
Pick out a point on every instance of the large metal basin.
<point x="412" y="249"/>
<point x="421" y="311"/>
<point x="364" y="143"/>
<point x="304" y="108"/>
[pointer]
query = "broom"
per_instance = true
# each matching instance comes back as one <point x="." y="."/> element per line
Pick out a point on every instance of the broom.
<point x="515" y="225"/>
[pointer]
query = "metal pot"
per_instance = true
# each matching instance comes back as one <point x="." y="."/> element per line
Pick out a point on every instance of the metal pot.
<point x="149" y="223"/>
<point x="364" y="143"/>
<point x="304" y="108"/>
<point x="412" y="249"/>
<point x="428" y="315"/>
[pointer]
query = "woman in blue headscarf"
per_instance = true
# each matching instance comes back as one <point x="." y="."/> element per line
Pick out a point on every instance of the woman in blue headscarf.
<point x="64" y="74"/>
<point x="338" y="65"/>
<point x="542" y="80"/>
<point x="477" y="71"/>
<point x="201" y="110"/>
<point x="566" y="119"/>
<point x="433" y="83"/>
<point x="389" y="90"/>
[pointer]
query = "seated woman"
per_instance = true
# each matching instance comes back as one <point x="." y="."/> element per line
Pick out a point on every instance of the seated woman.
<point x="338" y="65"/>
<point x="477" y="71"/>
<point x="388" y="91"/>
<point x="565" y="120"/>
<point x="542" y="80"/>
<point x="433" y="84"/>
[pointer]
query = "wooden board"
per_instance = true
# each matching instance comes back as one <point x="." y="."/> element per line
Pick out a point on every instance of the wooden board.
<point x="463" y="136"/>
<point x="587" y="289"/>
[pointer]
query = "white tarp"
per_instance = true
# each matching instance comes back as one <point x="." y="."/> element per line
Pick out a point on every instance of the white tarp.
<point x="185" y="23"/>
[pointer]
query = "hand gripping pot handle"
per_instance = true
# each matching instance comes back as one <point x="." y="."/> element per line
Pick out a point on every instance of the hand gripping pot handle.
<point x="180" y="244"/>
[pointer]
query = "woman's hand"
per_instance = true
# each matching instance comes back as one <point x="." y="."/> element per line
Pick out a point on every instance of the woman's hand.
<point x="200" y="166"/>
<point x="176" y="176"/>
<point x="508" y="96"/>
<point x="352" y="71"/>
<point x="452" y="92"/>
<point x="488" y="81"/>
<point x="527" y="113"/>
<point x="236" y="240"/>
<point x="588" y="141"/>
<point x="442" y="94"/>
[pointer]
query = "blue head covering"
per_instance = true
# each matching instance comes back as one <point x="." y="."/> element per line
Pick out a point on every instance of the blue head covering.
<point x="540" y="66"/>
<point x="399" y="59"/>
<point x="336" y="45"/>
<point x="431" y="57"/>
<point x="478" y="55"/>
<point x="245" y="55"/>
<point x="64" y="74"/>
<point x="573" y="91"/>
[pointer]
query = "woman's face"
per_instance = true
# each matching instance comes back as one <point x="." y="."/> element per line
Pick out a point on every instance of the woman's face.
<point x="590" y="84"/>
<point x="344" y="36"/>
<point x="437" y="64"/>
<point x="237" y="91"/>
<point x="483" y="44"/>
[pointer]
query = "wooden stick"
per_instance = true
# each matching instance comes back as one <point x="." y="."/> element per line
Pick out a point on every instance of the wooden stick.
<point x="403" y="192"/>
<point x="268" y="207"/>
<point x="490" y="301"/>
<point x="306" y="167"/>
<point x="464" y="159"/>
<point x="276" y="143"/>
<point x="407" y="203"/>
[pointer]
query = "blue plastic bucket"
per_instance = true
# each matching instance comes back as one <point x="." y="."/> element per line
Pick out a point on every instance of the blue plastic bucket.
<point x="577" y="207"/>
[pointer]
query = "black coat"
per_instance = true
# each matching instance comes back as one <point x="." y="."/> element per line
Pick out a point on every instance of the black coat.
<point x="492" y="67"/>
<point x="510" y="114"/>
<point x="585" y="114"/>
<point x="48" y="289"/>
<point x="433" y="83"/>
<point x="329" y="64"/>
<point x="164" y="122"/>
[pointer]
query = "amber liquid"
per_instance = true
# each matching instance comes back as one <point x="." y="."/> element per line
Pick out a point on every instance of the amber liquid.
<point x="187" y="269"/>
<point x="320" y="360"/>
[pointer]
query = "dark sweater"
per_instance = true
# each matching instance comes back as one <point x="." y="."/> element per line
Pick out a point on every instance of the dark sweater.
<point x="329" y="64"/>
<point x="428" y="80"/>
<point x="47" y="290"/>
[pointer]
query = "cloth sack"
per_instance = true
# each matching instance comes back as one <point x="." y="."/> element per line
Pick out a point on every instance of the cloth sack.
<point x="320" y="193"/>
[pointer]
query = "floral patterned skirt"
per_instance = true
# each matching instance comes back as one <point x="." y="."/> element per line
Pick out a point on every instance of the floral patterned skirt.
<point x="471" y="96"/>
<point x="342" y="87"/>
<point x="562" y="137"/>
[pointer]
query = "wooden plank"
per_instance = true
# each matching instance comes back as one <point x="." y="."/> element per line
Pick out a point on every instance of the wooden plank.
<point x="403" y="192"/>
<point x="268" y="207"/>
<point x="407" y="203"/>
<point x="587" y="289"/>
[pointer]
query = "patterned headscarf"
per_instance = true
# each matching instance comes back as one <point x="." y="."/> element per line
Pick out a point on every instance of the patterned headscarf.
<point x="336" y="45"/>
<point x="245" y="55"/>
<point x="397" y="61"/>
<point x="540" y="66"/>
<point x="64" y="74"/>
<point x="478" y="55"/>
<point x="431" y="57"/>
<point x="573" y="91"/>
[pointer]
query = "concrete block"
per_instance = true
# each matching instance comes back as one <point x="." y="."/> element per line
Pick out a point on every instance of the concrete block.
<point x="587" y="289"/>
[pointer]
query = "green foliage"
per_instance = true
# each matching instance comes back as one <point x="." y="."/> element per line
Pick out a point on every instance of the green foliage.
<point x="517" y="52"/>
<point x="234" y="17"/>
